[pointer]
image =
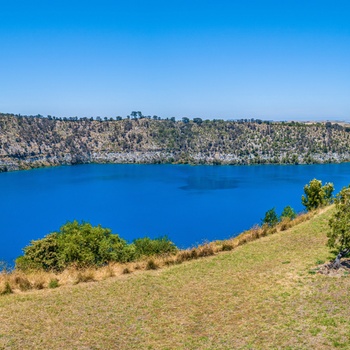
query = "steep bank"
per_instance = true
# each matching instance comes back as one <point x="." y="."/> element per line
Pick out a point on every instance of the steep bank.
<point x="29" y="142"/>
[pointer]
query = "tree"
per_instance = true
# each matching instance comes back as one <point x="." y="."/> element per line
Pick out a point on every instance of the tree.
<point x="288" y="212"/>
<point x="339" y="236"/>
<point x="270" y="218"/>
<point x="316" y="195"/>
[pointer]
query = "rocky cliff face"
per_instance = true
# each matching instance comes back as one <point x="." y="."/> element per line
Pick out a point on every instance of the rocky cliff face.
<point x="28" y="142"/>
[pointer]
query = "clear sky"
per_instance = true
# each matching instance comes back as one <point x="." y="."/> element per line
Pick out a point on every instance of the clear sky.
<point x="282" y="60"/>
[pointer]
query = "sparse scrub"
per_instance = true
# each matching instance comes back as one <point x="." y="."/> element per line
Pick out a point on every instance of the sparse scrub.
<point x="159" y="141"/>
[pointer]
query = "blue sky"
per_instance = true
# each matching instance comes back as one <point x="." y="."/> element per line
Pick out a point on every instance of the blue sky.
<point x="277" y="60"/>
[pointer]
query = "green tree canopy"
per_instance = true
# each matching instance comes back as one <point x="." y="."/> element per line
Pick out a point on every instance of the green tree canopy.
<point x="288" y="212"/>
<point x="339" y="236"/>
<point x="270" y="218"/>
<point x="316" y="195"/>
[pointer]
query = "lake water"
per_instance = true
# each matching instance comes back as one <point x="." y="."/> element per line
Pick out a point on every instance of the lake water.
<point x="189" y="204"/>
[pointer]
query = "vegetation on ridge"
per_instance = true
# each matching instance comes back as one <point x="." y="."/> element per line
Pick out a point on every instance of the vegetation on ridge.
<point x="27" y="142"/>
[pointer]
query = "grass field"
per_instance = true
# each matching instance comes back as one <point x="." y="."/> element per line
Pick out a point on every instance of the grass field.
<point x="262" y="295"/>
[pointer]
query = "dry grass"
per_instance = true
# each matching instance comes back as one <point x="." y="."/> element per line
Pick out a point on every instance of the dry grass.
<point x="259" y="295"/>
<point x="21" y="282"/>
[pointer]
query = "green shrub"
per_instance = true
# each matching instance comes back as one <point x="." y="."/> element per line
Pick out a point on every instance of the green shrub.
<point x="271" y="218"/>
<point x="316" y="195"/>
<point x="288" y="212"/>
<point x="148" y="247"/>
<point x="79" y="244"/>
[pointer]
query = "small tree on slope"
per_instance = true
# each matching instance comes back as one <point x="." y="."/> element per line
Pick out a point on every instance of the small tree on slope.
<point x="316" y="195"/>
<point x="339" y="236"/>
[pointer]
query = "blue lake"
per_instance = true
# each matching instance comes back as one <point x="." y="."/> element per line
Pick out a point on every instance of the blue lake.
<point x="189" y="204"/>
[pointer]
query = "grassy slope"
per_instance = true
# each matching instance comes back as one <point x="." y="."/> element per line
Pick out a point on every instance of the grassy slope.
<point x="259" y="296"/>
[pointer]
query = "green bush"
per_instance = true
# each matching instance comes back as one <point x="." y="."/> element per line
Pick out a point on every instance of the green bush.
<point x="271" y="218"/>
<point x="79" y="244"/>
<point x="288" y="212"/>
<point x="147" y="246"/>
<point x="316" y="195"/>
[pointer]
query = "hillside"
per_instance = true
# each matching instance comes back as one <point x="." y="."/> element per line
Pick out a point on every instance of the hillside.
<point x="262" y="295"/>
<point x="28" y="142"/>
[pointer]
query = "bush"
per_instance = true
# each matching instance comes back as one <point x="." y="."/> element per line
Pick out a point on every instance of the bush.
<point x="316" y="195"/>
<point x="288" y="212"/>
<point x="148" y="247"/>
<point x="339" y="235"/>
<point x="79" y="244"/>
<point x="271" y="218"/>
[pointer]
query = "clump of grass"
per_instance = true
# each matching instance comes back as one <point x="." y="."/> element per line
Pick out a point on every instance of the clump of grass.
<point x="109" y="272"/>
<point x="85" y="276"/>
<point x="151" y="265"/>
<point x="169" y="261"/>
<point x="39" y="284"/>
<point x="126" y="271"/>
<point x="227" y="247"/>
<point x="285" y="224"/>
<point x="23" y="283"/>
<point x="205" y="250"/>
<point x="54" y="283"/>
<point x="6" y="289"/>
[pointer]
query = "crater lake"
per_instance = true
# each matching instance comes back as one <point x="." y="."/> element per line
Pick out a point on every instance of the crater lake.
<point x="189" y="204"/>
